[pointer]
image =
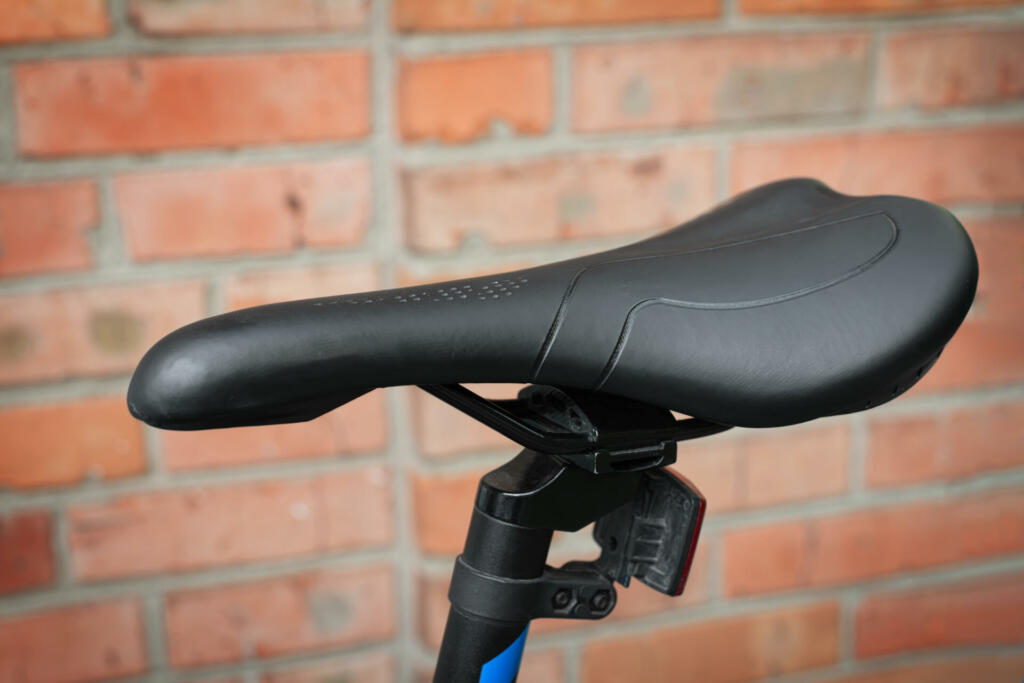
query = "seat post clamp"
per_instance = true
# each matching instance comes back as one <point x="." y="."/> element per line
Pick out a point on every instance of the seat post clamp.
<point x="577" y="590"/>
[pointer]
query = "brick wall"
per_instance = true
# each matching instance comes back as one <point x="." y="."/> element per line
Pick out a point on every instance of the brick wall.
<point x="162" y="160"/>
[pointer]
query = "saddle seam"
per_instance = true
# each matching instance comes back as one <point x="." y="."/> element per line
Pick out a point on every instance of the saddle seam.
<point x="628" y="323"/>
<point x="556" y="324"/>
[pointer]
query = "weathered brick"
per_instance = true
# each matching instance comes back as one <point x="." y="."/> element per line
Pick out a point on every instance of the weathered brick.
<point x="870" y="543"/>
<point x="181" y="214"/>
<point x="96" y="641"/>
<point x="986" y="349"/>
<point x="443" y="432"/>
<point x="997" y="668"/>
<point x="443" y="504"/>
<point x="63" y="443"/>
<point x="105" y="105"/>
<point x="39" y="20"/>
<point x="703" y="80"/>
<point x="26" y="553"/>
<point x="314" y="610"/>
<point x="259" y="287"/>
<point x="864" y="6"/>
<point x="947" y="68"/>
<point x="976" y="612"/>
<point x="97" y="330"/>
<point x="46" y="226"/>
<point x="460" y="98"/>
<point x="945" y="445"/>
<point x="973" y="164"/>
<point x="757" y="469"/>
<point x="587" y="195"/>
<point x="357" y="427"/>
<point x="176" y="530"/>
<point x="372" y="668"/>
<point x="461" y="15"/>
<point x="237" y="16"/>
<point x="431" y="609"/>
<point x="543" y="666"/>
<point x="747" y="647"/>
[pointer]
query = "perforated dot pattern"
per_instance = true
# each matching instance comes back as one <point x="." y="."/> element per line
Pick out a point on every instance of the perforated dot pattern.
<point x="481" y="291"/>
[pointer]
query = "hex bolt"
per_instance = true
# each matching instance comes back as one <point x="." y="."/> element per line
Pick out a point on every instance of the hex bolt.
<point x="561" y="598"/>
<point x="601" y="600"/>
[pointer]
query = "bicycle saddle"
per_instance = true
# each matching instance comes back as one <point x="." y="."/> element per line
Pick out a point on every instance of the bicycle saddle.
<point x="788" y="303"/>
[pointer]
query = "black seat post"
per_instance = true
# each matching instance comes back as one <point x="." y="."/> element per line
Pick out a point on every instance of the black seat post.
<point x="505" y="553"/>
<point x="501" y="580"/>
<point x="647" y="520"/>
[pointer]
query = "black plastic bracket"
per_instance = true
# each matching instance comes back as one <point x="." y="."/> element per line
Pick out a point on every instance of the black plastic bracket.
<point x="598" y="432"/>
<point x="575" y="591"/>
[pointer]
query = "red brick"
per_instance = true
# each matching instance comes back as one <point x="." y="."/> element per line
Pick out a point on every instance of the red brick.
<point x="547" y="200"/>
<point x="46" y="226"/>
<point x="443" y="432"/>
<point x="977" y="612"/>
<point x="357" y="427"/>
<point x="945" y="446"/>
<point x="459" y="98"/>
<point x="702" y="80"/>
<point x="373" y="668"/>
<point x="870" y="543"/>
<point x="461" y="15"/>
<point x="758" y="469"/>
<point x="68" y="442"/>
<point x="443" y="504"/>
<point x="38" y="20"/>
<point x="738" y="648"/>
<point x="176" y="530"/>
<point x="181" y="214"/>
<point x="986" y="349"/>
<point x="26" y="553"/>
<point x="316" y="610"/>
<point x="255" y="288"/>
<point x="942" y="165"/>
<point x="947" y="68"/>
<point x="991" y="667"/>
<point x="98" y="330"/>
<point x="864" y="6"/>
<point x="240" y="16"/>
<point x="105" y="105"/>
<point x="543" y="666"/>
<point x="72" y="644"/>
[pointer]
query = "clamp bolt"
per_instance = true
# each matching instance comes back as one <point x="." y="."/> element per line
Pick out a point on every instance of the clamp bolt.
<point x="561" y="598"/>
<point x="601" y="600"/>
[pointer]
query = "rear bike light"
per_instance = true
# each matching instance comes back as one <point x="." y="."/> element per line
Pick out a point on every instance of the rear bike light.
<point x="653" y="537"/>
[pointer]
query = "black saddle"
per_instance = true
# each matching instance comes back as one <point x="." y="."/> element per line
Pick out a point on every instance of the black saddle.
<point x="788" y="303"/>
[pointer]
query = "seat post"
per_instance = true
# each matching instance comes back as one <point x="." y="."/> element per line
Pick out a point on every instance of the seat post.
<point x="478" y="648"/>
<point x="501" y="581"/>
<point x="588" y="458"/>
